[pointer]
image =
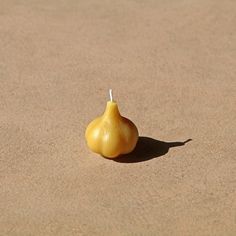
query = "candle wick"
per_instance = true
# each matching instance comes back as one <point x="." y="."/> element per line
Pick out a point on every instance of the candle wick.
<point x="110" y="92"/>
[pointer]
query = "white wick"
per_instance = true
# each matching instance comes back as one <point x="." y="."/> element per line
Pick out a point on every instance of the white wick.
<point x="110" y="93"/>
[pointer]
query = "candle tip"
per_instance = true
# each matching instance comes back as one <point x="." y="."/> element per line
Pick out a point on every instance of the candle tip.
<point x="110" y="93"/>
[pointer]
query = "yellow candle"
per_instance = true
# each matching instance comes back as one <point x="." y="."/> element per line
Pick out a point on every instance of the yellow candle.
<point x="111" y="134"/>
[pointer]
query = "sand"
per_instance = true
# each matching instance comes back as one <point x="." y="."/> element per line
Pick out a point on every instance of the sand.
<point x="172" y="67"/>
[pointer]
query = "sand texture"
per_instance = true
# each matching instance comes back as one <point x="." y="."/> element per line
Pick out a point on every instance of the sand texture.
<point x="172" y="67"/>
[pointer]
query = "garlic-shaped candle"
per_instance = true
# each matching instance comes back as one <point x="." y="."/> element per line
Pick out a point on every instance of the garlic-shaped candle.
<point x="111" y="134"/>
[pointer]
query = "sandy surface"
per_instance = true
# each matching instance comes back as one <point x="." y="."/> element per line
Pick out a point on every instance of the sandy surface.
<point x="172" y="66"/>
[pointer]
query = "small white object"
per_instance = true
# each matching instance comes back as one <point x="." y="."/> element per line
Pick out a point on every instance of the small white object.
<point x="110" y="93"/>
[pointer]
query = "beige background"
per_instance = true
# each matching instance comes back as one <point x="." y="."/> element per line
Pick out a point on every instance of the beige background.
<point x="172" y="66"/>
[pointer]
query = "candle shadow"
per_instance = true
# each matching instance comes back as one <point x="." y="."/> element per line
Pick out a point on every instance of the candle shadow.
<point x="148" y="148"/>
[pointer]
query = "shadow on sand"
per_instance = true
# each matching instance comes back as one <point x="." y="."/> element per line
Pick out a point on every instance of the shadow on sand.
<point x="148" y="148"/>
